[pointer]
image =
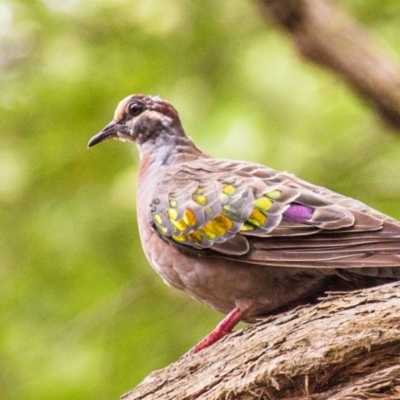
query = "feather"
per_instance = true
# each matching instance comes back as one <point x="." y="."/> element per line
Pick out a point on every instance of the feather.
<point x="287" y="222"/>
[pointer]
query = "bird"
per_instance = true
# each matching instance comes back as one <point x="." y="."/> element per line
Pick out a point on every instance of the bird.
<point x="240" y="237"/>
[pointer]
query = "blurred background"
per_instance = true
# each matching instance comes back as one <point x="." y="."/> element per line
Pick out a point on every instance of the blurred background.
<point x="82" y="313"/>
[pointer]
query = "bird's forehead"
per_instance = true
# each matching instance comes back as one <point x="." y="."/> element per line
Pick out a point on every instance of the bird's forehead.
<point x="155" y="103"/>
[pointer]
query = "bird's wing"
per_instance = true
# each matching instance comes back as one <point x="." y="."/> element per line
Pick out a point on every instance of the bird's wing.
<point x="250" y="212"/>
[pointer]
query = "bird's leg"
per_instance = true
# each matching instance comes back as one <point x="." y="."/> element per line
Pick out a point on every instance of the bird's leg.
<point x="222" y="329"/>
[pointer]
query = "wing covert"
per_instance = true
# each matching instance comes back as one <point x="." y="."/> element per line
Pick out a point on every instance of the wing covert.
<point x="204" y="204"/>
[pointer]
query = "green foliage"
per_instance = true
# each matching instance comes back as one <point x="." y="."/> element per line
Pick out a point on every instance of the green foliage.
<point x="83" y="315"/>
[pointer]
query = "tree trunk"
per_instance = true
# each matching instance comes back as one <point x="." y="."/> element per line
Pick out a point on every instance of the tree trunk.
<point x="345" y="347"/>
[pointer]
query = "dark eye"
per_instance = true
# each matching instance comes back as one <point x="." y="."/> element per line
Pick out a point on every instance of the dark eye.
<point x="135" y="108"/>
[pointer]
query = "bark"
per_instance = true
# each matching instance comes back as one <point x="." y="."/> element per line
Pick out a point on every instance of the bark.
<point x="346" y="347"/>
<point x="326" y="36"/>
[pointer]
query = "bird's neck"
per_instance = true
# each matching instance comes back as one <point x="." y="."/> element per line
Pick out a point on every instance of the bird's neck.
<point x="166" y="150"/>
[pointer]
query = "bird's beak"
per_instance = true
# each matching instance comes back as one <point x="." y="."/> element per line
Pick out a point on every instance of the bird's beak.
<point x="107" y="133"/>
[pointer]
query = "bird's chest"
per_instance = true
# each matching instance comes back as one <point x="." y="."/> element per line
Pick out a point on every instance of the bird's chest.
<point x="182" y="271"/>
<point x="159" y="253"/>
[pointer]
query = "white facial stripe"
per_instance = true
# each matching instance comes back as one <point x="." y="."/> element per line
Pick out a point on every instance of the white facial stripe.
<point x="120" y="110"/>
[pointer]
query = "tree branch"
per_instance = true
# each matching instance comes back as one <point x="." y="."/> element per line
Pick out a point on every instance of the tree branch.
<point x="346" y="347"/>
<point x="326" y="36"/>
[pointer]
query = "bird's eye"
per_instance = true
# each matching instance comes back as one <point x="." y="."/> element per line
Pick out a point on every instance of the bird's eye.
<point x="135" y="109"/>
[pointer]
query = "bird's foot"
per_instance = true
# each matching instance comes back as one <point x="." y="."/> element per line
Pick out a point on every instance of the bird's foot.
<point x="222" y="329"/>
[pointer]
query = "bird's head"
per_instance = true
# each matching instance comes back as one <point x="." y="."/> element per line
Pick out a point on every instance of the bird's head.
<point x="139" y="118"/>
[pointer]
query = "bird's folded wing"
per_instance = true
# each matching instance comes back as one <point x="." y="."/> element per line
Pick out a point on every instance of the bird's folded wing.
<point x="252" y="213"/>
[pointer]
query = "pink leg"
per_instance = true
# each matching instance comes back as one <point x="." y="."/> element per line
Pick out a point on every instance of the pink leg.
<point x="223" y="328"/>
